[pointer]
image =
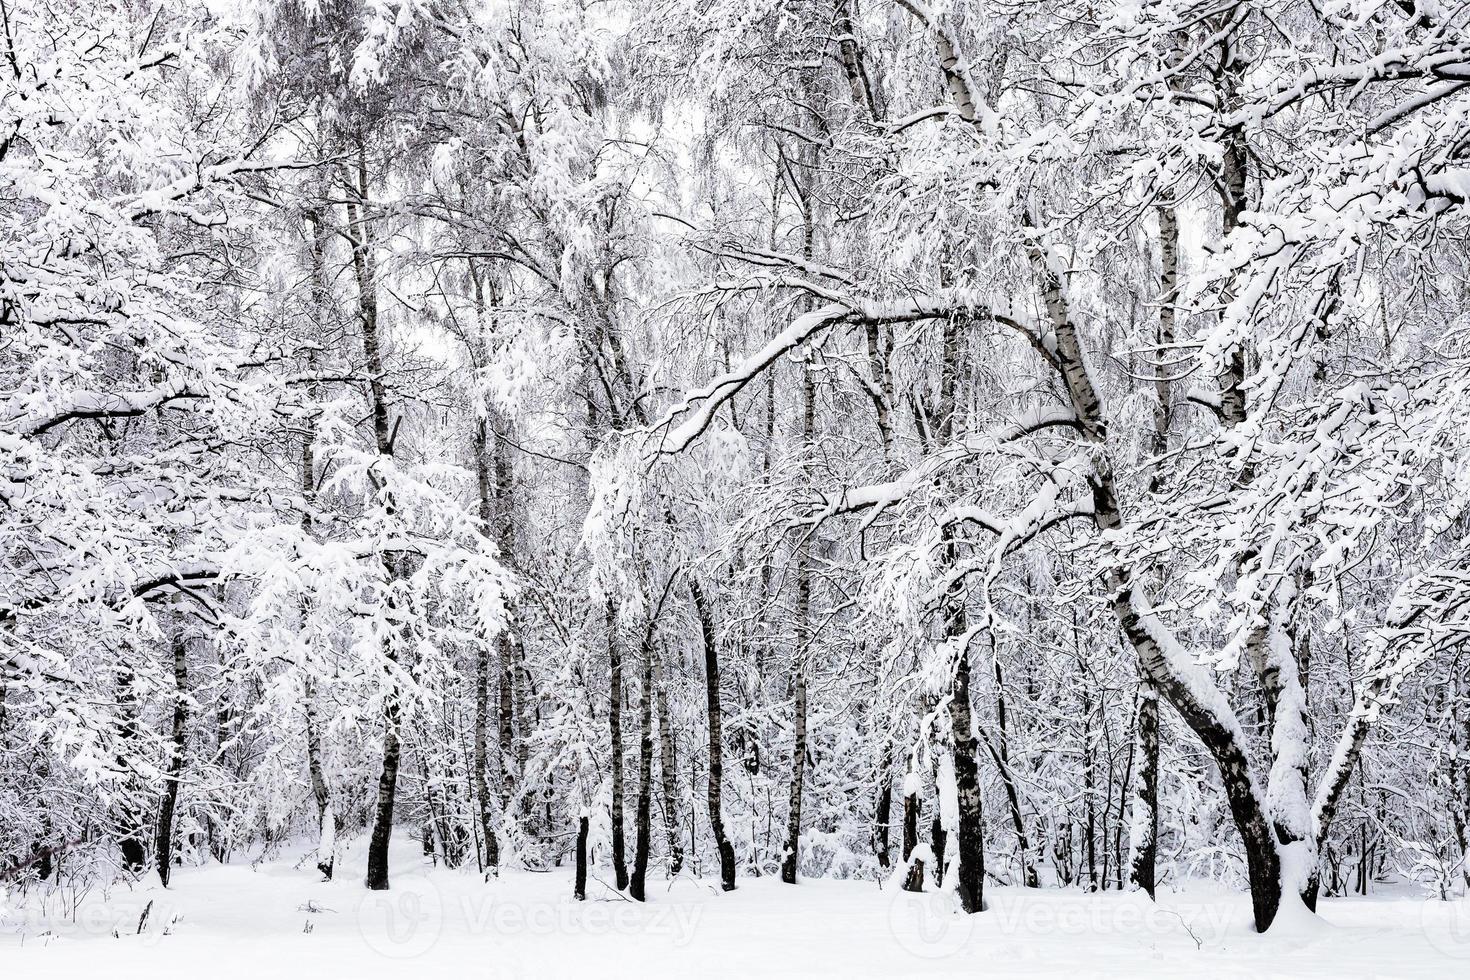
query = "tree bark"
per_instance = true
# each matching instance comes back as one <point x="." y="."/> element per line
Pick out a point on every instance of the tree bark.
<point x="967" y="786"/>
<point x="716" y="739"/>
<point x="914" y="879"/>
<point x="668" y="771"/>
<point x="1144" y="836"/>
<point x="174" y="768"/>
<point x="364" y="268"/>
<point x="804" y="636"/>
<point x="884" y="812"/>
<point x="645" y="778"/>
<point x="1002" y="754"/>
<point x="1216" y="730"/>
<point x="133" y="833"/>
<point x="579" y="890"/>
<point x="615" y="735"/>
<point x="321" y="301"/>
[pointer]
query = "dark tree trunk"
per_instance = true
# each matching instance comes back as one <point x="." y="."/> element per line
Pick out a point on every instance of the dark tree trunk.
<point x="615" y="733"/>
<point x="645" y="779"/>
<point x="885" y="806"/>
<point x="1146" y="821"/>
<point x="914" y="880"/>
<point x="377" y="869"/>
<point x="579" y="890"/>
<point x="365" y="271"/>
<point x="321" y="300"/>
<point x="791" y="861"/>
<point x="174" y="770"/>
<point x="967" y="790"/>
<point x="1216" y="732"/>
<point x="668" y="771"/>
<point x="1002" y="754"/>
<point x="716" y="739"/>
<point x="133" y="832"/>
<point x="939" y="838"/>
<point x="326" y="816"/>
<point x="482" y="666"/>
<point x="505" y="715"/>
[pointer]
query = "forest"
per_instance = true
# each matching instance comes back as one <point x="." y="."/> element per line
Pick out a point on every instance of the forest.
<point x="967" y="448"/>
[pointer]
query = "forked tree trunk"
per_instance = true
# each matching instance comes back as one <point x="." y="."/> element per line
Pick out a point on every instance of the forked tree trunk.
<point x="364" y="269"/>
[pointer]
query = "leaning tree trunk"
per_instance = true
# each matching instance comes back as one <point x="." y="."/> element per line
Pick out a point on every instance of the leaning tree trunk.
<point x="1002" y="755"/>
<point x="174" y="769"/>
<point x="1216" y="729"/>
<point x="716" y="743"/>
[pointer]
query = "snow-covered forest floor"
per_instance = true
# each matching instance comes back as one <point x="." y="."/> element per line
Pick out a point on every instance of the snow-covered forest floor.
<point x="276" y="918"/>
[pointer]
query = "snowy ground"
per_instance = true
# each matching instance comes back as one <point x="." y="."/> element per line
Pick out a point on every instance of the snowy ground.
<point x="276" y="920"/>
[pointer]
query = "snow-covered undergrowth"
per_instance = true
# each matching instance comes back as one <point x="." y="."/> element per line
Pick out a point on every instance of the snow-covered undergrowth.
<point x="276" y="919"/>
